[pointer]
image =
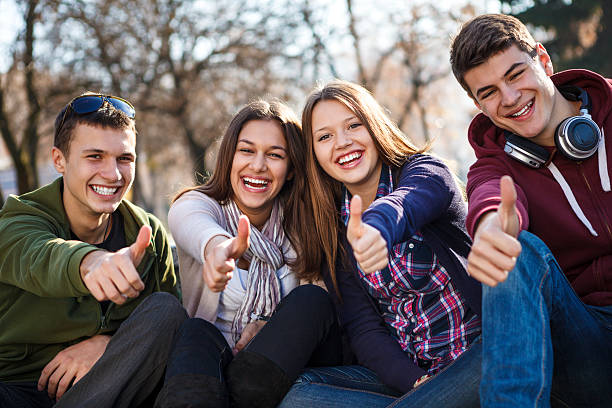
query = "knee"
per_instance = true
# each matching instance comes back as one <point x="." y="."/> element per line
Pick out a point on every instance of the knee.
<point x="165" y="309"/>
<point x="312" y="299"/>
<point x="201" y="332"/>
<point x="532" y="267"/>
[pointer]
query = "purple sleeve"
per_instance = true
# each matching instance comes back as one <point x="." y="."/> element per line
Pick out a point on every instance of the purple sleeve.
<point x="423" y="193"/>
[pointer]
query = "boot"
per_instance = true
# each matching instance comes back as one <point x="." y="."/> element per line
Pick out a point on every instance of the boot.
<point x="192" y="391"/>
<point x="254" y="381"/>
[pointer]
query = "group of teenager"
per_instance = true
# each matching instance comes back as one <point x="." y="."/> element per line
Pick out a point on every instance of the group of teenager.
<point x="327" y="262"/>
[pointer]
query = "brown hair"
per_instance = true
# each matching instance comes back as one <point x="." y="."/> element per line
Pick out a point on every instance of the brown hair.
<point x="393" y="146"/>
<point x="105" y="117"/>
<point x="484" y="36"/>
<point x="292" y="196"/>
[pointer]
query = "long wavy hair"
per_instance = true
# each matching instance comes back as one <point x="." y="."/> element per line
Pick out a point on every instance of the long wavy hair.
<point x="393" y="146"/>
<point x="294" y="193"/>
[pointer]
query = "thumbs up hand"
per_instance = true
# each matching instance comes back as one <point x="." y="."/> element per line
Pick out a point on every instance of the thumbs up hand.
<point x="221" y="253"/>
<point x="495" y="246"/>
<point x="113" y="275"/>
<point x="369" y="247"/>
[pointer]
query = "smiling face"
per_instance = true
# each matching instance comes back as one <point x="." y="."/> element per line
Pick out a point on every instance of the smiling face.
<point x="98" y="171"/>
<point x="514" y="91"/>
<point x="344" y="148"/>
<point x="259" y="168"/>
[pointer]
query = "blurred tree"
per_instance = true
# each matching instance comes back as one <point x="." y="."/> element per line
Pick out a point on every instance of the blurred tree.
<point x="580" y="30"/>
<point x="403" y="63"/>
<point x="19" y="121"/>
<point x="186" y="65"/>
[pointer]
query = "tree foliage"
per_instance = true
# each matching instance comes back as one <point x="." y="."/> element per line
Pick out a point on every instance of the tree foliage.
<point x="580" y="31"/>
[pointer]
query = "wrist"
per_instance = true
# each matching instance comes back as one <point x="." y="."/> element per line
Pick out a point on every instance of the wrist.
<point x="89" y="260"/>
<point x="213" y="243"/>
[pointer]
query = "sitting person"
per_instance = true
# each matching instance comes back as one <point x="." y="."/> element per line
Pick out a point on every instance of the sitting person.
<point x="539" y="211"/>
<point x="83" y="317"/>
<point x="397" y="269"/>
<point x="238" y="237"/>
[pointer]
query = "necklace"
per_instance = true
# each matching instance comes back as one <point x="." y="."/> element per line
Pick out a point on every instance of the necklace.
<point x="108" y="223"/>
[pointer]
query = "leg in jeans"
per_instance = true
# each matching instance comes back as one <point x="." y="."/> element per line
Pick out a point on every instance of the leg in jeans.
<point x="24" y="395"/>
<point x="302" y="331"/>
<point x="538" y="336"/>
<point x="455" y="386"/>
<point x="135" y="358"/>
<point x="341" y="386"/>
<point x="195" y="374"/>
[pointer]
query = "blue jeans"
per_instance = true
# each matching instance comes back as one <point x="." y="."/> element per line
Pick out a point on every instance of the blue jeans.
<point x="541" y="344"/>
<point x="355" y="386"/>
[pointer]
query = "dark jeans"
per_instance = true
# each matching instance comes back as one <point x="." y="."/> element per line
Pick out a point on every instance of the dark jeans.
<point x="303" y="331"/>
<point x="542" y="346"/>
<point x="129" y="371"/>
<point x="455" y="386"/>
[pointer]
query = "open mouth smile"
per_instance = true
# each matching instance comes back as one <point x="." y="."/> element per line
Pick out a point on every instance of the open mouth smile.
<point x="104" y="190"/>
<point x="255" y="184"/>
<point x="524" y="111"/>
<point x="349" y="159"/>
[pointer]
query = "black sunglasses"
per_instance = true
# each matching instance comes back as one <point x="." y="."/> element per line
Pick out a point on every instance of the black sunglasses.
<point x="82" y="105"/>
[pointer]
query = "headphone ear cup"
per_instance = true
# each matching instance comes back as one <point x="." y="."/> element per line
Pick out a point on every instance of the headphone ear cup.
<point x="577" y="137"/>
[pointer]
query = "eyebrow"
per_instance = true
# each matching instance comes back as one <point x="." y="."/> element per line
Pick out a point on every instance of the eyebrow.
<point x="253" y="144"/>
<point x="512" y="68"/>
<point x="100" y="151"/>
<point x="344" y="121"/>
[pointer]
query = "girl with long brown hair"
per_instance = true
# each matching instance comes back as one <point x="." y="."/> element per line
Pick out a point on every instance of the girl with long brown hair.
<point x="240" y="239"/>
<point x="397" y="269"/>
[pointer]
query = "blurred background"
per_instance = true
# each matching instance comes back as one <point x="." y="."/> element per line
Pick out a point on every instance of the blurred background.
<point x="188" y="66"/>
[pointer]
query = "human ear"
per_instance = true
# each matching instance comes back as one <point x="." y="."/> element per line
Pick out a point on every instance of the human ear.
<point x="58" y="159"/>
<point x="544" y="59"/>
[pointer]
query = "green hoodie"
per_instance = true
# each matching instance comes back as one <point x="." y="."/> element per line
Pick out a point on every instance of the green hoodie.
<point x="44" y="305"/>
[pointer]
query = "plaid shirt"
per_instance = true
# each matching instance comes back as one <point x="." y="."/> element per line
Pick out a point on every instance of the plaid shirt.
<point x="418" y="301"/>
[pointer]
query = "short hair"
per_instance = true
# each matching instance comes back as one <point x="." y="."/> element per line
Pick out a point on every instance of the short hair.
<point x="484" y="36"/>
<point x="105" y="117"/>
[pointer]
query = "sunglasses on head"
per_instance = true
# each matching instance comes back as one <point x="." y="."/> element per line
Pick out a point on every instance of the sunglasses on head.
<point x="82" y="105"/>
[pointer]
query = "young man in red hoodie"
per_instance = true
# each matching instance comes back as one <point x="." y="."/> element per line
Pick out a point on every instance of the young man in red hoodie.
<point x="540" y="213"/>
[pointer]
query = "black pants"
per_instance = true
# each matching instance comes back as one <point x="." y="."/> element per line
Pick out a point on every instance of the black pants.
<point x="128" y="373"/>
<point x="303" y="331"/>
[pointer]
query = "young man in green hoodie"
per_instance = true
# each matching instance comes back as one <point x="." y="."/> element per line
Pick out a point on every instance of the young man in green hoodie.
<point x="84" y="318"/>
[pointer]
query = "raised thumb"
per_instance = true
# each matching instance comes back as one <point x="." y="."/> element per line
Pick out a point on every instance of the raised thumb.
<point x="354" y="228"/>
<point x="137" y="249"/>
<point x="241" y="241"/>
<point x="507" y="208"/>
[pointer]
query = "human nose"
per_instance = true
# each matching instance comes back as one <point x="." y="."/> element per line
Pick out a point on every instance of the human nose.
<point x="110" y="170"/>
<point x="510" y="96"/>
<point x="258" y="163"/>
<point x="343" y="140"/>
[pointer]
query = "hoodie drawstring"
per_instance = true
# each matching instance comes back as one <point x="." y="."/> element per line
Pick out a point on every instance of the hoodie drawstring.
<point x="603" y="176"/>
<point x="603" y="163"/>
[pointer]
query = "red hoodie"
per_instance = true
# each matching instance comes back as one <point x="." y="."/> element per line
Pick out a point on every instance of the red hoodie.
<point x="543" y="208"/>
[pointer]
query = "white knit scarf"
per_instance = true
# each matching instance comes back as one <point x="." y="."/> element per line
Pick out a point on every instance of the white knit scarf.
<point x="266" y="257"/>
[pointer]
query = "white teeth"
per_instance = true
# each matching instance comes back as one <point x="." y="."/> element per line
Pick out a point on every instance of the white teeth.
<point x="256" y="184"/>
<point x="522" y="111"/>
<point x="255" y="181"/>
<point x="105" y="190"/>
<point x="349" y="157"/>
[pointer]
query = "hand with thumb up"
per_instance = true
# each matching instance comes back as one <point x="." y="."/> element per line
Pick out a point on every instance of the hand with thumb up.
<point x="495" y="246"/>
<point x="113" y="275"/>
<point x="221" y="253"/>
<point x="369" y="247"/>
